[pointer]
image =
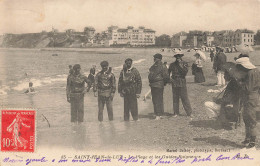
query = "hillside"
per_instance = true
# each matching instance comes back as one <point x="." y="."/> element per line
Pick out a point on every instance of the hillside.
<point x="40" y="40"/>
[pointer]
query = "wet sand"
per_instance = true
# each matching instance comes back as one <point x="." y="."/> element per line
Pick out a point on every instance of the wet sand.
<point x="145" y="134"/>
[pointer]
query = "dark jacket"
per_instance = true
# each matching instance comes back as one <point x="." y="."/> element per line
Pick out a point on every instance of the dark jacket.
<point x="130" y="82"/>
<point x="179" y="73"/>
<point x="158" y="75"/>
<point x="76" y="84"/>
<point x="105" y="83"/>
<point x="219" y="60"/>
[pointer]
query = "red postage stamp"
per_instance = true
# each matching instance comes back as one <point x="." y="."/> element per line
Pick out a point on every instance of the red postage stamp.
<point x="18" y="130"/>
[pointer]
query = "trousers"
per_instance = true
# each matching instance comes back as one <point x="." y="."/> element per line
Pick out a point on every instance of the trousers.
<point x="249" y="114"/>
<point x="77" y="107"/>
<point x="102" y="101"/>
<point x="157" y="98"/>
<point x="130" y="105"/>
<point x="220" y="77"/>
<point x="177" y="93"/>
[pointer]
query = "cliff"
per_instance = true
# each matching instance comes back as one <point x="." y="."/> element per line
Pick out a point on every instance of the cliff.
<point x="45" y="39"/>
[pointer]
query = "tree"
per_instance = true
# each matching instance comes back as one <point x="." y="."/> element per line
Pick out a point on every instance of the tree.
<point x="257" y="38"/>
<point x="163" y="41"/>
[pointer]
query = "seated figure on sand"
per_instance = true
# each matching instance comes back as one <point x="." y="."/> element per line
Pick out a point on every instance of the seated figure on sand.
<point x="228" y="107"/>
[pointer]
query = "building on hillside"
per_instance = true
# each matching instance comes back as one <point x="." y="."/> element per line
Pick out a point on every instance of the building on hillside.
<point x="89" y="33"/>
<point x="70" y="31"/>
<point x="131" y="36"/>
<point x="178" y="38"/>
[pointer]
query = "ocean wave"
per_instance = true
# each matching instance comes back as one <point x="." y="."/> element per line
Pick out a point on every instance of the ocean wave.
<point x="24" y="84"/>
<point x="134" y="62"/>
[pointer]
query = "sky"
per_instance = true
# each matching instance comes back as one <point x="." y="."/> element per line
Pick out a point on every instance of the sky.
<point x="163" y="16"/>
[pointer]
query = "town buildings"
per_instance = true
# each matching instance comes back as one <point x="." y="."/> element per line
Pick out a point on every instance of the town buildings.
<point x="225" y="38"/>
<point x="131" y="36"/>
<point x="177" y="39"/>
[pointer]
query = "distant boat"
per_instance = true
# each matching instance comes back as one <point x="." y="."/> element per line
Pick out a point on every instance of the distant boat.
<point x="54" y="54"/>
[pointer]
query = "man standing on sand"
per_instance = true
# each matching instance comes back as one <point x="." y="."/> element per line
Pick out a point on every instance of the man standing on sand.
<point x="75" y="93"/>
<point x="179" y="69"/>
<point x="250" y="86"/>
<point x="219" y="60"/>
<point x="211" y="55"/>
<point x="130" y="87"/>
<point x="105" y="84"/>
<point x="158" y="78"/>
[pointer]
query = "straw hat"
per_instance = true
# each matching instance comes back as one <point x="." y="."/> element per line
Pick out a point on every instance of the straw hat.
<point x="178" y="53"/>
<point x="245" y="62"/>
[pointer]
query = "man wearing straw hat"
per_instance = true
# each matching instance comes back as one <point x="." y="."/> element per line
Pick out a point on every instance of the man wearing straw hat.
<point x="179" y="69"/>
<point x="251" y="88"/>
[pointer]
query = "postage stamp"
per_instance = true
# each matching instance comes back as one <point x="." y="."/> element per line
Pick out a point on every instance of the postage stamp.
<point x="18" y="130"/>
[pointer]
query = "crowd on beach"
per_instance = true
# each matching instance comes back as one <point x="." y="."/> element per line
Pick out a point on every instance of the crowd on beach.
<point x="240" y="81"/>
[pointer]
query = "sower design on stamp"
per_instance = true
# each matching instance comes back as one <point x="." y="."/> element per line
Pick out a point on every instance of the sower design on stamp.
<point x="18" y="130"/>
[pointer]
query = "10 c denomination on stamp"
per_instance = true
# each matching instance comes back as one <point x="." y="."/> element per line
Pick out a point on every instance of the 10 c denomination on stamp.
<point x="18" y="130"/>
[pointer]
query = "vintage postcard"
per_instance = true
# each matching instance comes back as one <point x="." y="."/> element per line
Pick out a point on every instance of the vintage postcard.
<point x="129" y="82"/>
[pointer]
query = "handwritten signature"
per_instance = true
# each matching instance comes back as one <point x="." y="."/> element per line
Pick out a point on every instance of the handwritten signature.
<point x="222" y="157"/>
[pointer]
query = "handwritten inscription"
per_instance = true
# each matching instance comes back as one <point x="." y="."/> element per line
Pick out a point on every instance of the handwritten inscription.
<point x="147" y="160"/>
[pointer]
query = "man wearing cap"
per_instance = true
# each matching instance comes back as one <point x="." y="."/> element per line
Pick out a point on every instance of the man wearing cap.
<point x="179" y="69"/>
<point x="158" y="78"/>
<point x="219" y="60"/>
<point x="130" y="87"/>
<point x="75" y="93"/>
<point x="105" y="85"/>
<point x="250" y="86"/>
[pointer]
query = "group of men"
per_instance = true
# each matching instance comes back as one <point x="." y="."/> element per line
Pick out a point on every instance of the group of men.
<point x="104" y="84"/>
<point x="159" y="76"/>
<point x="129" y="87"/>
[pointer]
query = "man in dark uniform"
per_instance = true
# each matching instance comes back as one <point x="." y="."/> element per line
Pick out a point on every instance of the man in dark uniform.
<point x="130" y="87"/>
<point x="158" y="78"/>
<point x="75" y="93"/>
<point x="211" y="55"/>
<point x="179" y="69"/>
<point x="105" y="84"/>
<point x="250" y="98"/>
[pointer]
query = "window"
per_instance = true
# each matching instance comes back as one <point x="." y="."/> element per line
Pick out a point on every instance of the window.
<point x="248" y="40"/>
<point x="251" y="40"/>
<point x="244" y="40"/>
